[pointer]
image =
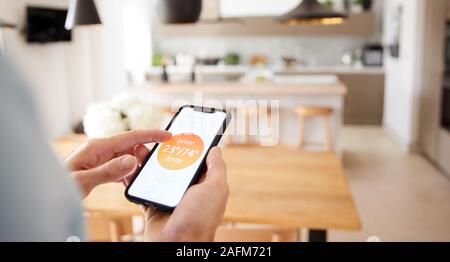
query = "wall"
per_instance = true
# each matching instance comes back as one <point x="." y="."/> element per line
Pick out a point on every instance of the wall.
<point x="308" y="49"/>
<point x="401" y="88"/>
<point x="43" y="66"/>
<point x="96" y="62"/>
<point x="65" y="77"/>
<point x="137" y="38"/>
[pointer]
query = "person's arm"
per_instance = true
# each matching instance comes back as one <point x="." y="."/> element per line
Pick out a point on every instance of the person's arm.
<point x="115" y="159"/>
<point x="38" y="200"/>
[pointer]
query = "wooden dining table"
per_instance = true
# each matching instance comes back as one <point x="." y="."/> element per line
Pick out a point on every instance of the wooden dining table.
<point x="268" y="185"/>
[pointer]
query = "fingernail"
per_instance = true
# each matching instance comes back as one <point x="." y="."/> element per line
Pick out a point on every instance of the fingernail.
<point x="127" y="162"/>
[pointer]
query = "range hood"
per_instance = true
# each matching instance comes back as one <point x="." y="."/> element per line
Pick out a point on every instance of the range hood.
<point x="311" y="12"/>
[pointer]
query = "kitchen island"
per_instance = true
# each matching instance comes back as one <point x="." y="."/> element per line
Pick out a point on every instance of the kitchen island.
<point x="285" y="98"/>
<point x="364" y="102"/>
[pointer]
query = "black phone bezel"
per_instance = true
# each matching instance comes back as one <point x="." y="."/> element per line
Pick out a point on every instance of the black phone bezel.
<point x="199" y="171"/>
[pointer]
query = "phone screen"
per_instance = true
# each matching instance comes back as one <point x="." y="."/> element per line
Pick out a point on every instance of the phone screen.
<point x="170" y="169"/>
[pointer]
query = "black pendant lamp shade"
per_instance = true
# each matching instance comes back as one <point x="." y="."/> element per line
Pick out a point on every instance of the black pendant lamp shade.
<point x="4" y="24"/>
<point x="82" y="12"/>
<point x="311" y="12"/>
<point x="179" y="11"/>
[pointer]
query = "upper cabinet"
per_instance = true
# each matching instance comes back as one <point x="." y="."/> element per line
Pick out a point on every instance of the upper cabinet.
<point x="251" y="8"/>
<point x="362" y="24"/>
<point x="257" y="18"/>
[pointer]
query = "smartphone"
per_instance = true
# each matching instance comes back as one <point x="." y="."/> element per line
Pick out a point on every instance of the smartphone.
<point x="171" y="167"/>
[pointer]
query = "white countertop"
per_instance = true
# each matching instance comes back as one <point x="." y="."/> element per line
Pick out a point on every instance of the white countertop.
<point x="247" y="89"/>
<point x="243" y="69"/>
<point x="338" y="70"/>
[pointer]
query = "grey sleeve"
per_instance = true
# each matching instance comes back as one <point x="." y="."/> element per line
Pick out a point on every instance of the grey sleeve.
<point x="38" y="200"/>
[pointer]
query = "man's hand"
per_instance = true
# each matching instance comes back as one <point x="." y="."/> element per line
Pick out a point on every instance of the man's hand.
<point x="111" y="159"/>
<point x="200" y="211"/>
<point x="115" y="159"/>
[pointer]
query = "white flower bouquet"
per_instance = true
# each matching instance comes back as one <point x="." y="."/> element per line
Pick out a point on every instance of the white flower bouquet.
<point x="122" y="113"/>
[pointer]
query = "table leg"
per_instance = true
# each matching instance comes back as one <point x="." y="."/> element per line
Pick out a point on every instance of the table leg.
<point x="316" y="235"/>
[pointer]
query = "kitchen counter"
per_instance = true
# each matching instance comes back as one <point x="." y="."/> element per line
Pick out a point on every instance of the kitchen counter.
<point x="239" y="70"/>
<point x="238" y="88"/>
<point x="283" y="99"/>
<point x="337" y="70"/>
<point x="364" y="102"/>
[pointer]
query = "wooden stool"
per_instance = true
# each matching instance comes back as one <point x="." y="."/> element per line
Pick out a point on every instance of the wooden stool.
<point x="306" y="111"/>
<point x="249" y="114"/>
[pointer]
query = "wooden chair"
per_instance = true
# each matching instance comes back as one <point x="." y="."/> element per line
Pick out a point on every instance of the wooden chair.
<point x="304" y="112"/>
<point x="102" y="227"/>
<point x="249" y="232"/>
<point x="252" y="233"/>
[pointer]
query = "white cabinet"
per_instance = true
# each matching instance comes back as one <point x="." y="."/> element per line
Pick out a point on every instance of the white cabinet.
<point x="434" y="140"/>
<point x="443" y="152"/>
<point x="243" y="8"/>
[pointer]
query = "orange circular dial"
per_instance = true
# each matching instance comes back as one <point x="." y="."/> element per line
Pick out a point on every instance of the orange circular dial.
<point x="180" y="151"/>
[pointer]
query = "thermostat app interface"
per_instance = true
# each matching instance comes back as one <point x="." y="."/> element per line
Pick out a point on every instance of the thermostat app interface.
<point x="170" y="169"/>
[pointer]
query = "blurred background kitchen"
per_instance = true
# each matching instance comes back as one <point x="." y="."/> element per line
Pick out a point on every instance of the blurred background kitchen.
<point x="361" y="84"/>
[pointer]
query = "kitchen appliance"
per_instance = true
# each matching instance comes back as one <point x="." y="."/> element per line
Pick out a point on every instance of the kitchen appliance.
<point x="372" y="55"/>
<point x="445" y="107"/>
<point x="208" y="61"/>
<point x="447" y="50"/>
<point x="46" y="25"/>
<point x="445" y="119"/>
<point x="311" y="12"/>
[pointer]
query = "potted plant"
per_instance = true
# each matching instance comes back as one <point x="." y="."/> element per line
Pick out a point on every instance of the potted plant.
<point x="231" y="59"/>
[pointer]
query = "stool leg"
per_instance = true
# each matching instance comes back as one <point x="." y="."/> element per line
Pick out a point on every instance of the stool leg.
<point x="276" y="237"/>
<point x="301" y="132"/>
<point x="226" y="140"/>
<point x="115" y="229"/>
<point x="246" y="127"/>
<point x="327" y="134"/>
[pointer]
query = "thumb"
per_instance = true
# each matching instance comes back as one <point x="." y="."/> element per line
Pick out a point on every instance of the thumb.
<point x="216" y="168"/>
<point x="111" y="171"/>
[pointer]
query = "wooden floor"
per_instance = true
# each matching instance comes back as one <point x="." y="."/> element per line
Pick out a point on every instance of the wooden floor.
<point x="399" y="197"/>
